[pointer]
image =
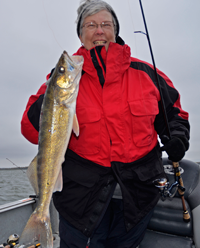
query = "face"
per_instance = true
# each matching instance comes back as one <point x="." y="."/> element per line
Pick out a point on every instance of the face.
<point x="98" y="36"/>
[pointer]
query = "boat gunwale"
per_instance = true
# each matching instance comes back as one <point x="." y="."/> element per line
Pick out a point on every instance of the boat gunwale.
<point x="16" y="204"/>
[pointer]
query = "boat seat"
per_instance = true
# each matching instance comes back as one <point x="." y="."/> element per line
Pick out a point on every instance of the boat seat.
<point x="167" y="227"/>
<point x="162" y="240"/>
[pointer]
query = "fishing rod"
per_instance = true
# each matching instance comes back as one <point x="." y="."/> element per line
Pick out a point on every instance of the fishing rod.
<point x="178" y="178"/>
<point x="15" y="165"/>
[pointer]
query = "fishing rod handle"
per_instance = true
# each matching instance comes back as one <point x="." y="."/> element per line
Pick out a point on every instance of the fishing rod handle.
<point x="186" y="215"/>
<point x="178" y="174"/>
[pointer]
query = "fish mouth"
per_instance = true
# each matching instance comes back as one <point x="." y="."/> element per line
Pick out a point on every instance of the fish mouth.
<point x="74" y="81"/>
<point x="71" y="64"/>
<point x="99" y="42"/>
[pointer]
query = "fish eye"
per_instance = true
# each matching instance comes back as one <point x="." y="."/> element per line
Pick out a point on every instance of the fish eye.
<point x="61" y="69"/>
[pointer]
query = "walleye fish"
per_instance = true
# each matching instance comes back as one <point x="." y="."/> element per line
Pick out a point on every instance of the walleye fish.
<point x="57" y="119"/>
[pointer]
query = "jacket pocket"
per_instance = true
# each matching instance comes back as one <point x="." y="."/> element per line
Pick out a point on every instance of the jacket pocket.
<point x="151" y="171"/>
<point x="145" y="169"/>
<point x="143" y="113"/>
<point x="79" y="174"/>
<point x="78" y="186"/>
<point x="138" y="180"/>
<point x="146" y="192"/>
<point x="88" y="141"/>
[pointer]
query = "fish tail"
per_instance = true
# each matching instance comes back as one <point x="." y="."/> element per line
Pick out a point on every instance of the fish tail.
<point x="37" y="230"/>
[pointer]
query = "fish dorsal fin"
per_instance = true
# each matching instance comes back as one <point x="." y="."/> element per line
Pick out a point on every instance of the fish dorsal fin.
<point x="75" y="126"/>
<point x="32" y="175"/>
<point x="59" y="182"/>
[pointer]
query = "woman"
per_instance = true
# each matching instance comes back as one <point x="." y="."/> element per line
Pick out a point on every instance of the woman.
<point x="108" y="195"/>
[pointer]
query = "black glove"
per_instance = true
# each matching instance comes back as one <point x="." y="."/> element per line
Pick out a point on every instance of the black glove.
<point x="175" y="147"/>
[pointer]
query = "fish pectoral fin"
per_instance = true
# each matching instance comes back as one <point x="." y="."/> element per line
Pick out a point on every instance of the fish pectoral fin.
<point x="32" y="175"/>
<point x="59" y="182"/>
<point x="75" y="126"/>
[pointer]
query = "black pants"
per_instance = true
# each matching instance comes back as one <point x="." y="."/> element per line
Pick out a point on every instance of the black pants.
<point x="111" y="232"/>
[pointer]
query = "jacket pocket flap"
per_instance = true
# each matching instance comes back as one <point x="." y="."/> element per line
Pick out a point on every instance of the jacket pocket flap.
<point x="144" y="107"/>
<point x="149" y="171"/>
<point x="79" y="174"/>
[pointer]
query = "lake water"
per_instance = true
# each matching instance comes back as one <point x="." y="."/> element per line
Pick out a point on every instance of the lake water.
<point x="14" y="185"/>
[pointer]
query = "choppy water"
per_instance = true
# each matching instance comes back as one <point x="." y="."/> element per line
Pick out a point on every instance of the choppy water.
<point x="14" y="185"/>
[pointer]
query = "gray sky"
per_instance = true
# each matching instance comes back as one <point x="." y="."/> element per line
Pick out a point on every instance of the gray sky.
<point x="34" y="34"/>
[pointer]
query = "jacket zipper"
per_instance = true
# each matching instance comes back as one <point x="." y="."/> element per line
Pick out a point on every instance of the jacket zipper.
<point x="88" y="243"/>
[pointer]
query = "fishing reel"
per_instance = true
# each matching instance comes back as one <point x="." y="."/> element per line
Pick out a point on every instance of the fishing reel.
<point x="12" y="241"/>
<point x="167" y="190"/>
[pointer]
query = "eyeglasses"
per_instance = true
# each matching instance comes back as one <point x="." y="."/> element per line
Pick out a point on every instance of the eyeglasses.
<point x="104" y="25"/>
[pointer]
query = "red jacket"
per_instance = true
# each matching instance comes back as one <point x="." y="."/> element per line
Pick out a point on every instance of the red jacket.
<point x="119" y="121"/>
<point x="119" y="113"/>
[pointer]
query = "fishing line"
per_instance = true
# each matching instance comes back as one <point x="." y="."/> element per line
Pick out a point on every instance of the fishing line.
<point x="132" y="21"/>
<point x="139" y="75"/>
<point x="50" y="26"/>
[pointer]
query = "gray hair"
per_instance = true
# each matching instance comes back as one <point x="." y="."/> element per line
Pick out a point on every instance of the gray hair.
<point x="91" y="7"/>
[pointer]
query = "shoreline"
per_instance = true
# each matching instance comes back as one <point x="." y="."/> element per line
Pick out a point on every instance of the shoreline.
<point x="14" y="168"/>
<point x="26" y="167"/>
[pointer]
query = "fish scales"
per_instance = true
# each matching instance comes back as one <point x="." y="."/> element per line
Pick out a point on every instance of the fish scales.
<point x="57" y="119"/>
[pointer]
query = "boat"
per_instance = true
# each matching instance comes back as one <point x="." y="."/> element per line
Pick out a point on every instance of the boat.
<point x="167" y="228"/>
<point x="14" y="216"/>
